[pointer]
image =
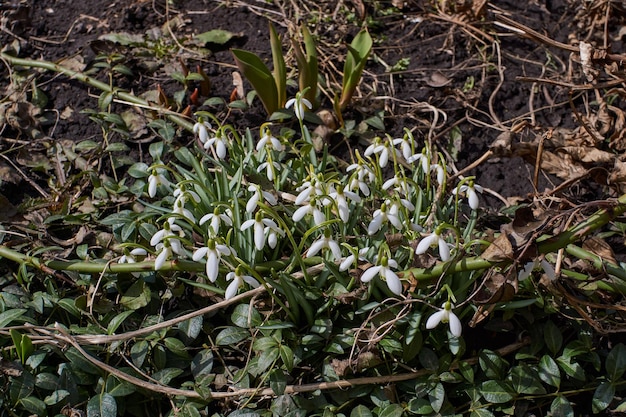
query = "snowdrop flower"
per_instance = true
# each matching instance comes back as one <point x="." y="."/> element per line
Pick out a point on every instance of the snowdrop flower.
<point x="424" y="160"/>
<point x="269" y="141"/>
<point x="218" y="144"/>
<point x="434" y="239"/>
<point x="182" y="196"/>
<point x="130" y="257"/>
<point x="259" y="223"/>
<point x="406" y="146"/>
<point x="201" y="128"/>
<point x="165" y="252"/>
<point x="253" y="201"/>
<point x="446" y="316"/>
<point x="238" y="280"/>
<point x="349" y="260"/>
<point x="270" y="168"/>
<point x="387" y="213"/>
<point x="339" y="196"/>
<point x="213" y="253"/>
<point x="299" y="106"/>
<point x="383" y="269"/>
<point x="272" y="235"/>
<point x="325" y="242"/>
<point x="530" y="267"/>
<point x="470" y="190"/>
<point x="382" y="149"/>
<point x="216" y="219"/>
<point x="308" y="189"/>
<point x="363" y="175"/>
<point x="171" y="233"/>
<point x="309" y="208"/>
<point x="441" y="173"/>
<point x="155" y="179"/>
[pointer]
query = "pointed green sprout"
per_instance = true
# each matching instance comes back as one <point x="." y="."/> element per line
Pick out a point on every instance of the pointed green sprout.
<point x="307" y="65"/>
<point x="358" y="52"/>
<point x="270" y="87"/>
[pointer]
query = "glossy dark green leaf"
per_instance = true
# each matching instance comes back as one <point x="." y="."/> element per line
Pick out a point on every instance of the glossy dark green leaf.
<point x="137" y="296"/>
<point x="496" y="392"/>
<point x="138" y="352"/>
<point x="202" y="363"/>
<point x="553" y="337"/>
<point x="246" y="316"/>
<point x="102" y="405"/>
<point x="549" y="371"/>
<point x="616" y="362"/>
<point x="34" y="405"/>
<point x="164" y="376"/>
<point x="117" y="321"/>
<point x="231" y="335"/>
<point x="119" y="388"/>
<point x="10" y="315"/>
<point x="56" y="397"/>
<point x="561" y="407"/>
<point x="525" y="380"/>
<point x="361" y="411"/>
<point x="602" y="397"/>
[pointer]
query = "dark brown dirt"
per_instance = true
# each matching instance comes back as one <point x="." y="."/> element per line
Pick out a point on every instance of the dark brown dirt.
<point x="444" y="56"/>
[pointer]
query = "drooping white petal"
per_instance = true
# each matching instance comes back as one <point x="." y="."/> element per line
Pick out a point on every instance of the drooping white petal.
<point x="316" y="247"/>
<point x="212" y="265"/>
<point x="301" y="212"/>
<point x="436" y="318"/>
<point x="252" y="202"/>
<point x="259" y="235"/>
<point x="370" y="273"/>
<point x="426" y="243"/>
<point x="153" y="182"/>
<point x="162" y="258"/>
<point x="346" y="263"/>
<point x="472" y="198"/>
<point x="393" y="282"/>
<point x="455" y="325"/>
<point x="232" y="288"/>
<point x="444" y="249"/>
<point x="375" y="224"/>
<point x="335" y="249"/>
<point x="199" y="254"/>
<point x="157" y="237"/>
<point x="247" y="224"/>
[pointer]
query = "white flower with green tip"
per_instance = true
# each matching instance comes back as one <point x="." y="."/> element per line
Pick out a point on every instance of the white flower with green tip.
<point x="445" y="315"/>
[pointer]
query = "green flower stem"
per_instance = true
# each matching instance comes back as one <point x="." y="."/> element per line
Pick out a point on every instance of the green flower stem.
<point x="95" y="267"/>
<point x="126" y="96"/>
<point x="548" y="245"/>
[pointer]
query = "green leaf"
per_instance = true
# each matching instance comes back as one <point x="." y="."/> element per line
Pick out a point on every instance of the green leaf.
<point x="177" y="347"/>
<point x="259" y="76"/>
<point x="561" y="407"/>
<point x="191" y="328"/>
<point x="616" y="362"/>
<point x="307" y="65"/>
<point x="437" y="397"/>
<point x="10" y="315"/>
<point x="202" y="363"/>
<point x="481" y="412"/>
<point x="231" y="335"/>
<point x="123" y="38"/>
<point x="392" y="410"/>
<point x="358" y="52"/>
<point x="492" y="365"/>
<point x="278" y="381"/>
<point x="137" y="296"/>
<point x="119" y="388"/>
<point x="280" y="70"/>
<point x="78" y="361"/>
<point x="287" y="356"/>
<point x="34" y="405"/>
<point x="429" y="359"/>
<point x="56" y="397"/>
<point x="267" y="359"/>
<point x="549" y="371"/>
<point x="419" y="406"/>
<point x="22" y="386"/>
<point x="525" y="380"/>
<point x="573" y="370"/>
<point x="246" y="316"/>
<point x="602" y="397"/>
<point x="216" y="36"/>
<point x="138" y="353"/>
<point x="164" y="376"/>
<point x="553" y="337"/>
<point x="117" y="321"/>
<point x="361" y="411"/>
<point x="23" y="345"/>
<point x="467" y="371"/>
<point x="102" y="405"/>
<point x="495" y="392"/>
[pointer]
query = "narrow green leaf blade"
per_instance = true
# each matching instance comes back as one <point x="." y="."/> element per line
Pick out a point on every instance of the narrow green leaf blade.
<point x="259" y="76"/>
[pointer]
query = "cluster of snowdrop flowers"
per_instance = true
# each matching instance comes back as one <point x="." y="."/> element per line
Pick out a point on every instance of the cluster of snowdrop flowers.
<point x="320" y="199"/>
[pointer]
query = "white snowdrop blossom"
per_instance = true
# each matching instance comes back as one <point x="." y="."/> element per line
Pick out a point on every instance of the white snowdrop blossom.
<point x="340" y="197"/>
<point x="218" y="144"/>
<point x="383" y="270"/>
<point x="362" y="175"/>
<point x="156" y="179"/>
<point x="269" y="141"/>
<point x="407" y="145"/>
<point x="237" y="281"/>
<point x="130" y="257"/>
<point x="441" y="173"/>
<point x="254" y="199"/>
<point x="388" y="212"/>
<point x="216" y="219"/>
<point x="445" y="315"/>
<point x="259" y="225"/>
<point x="213" y="253"/>
<point x="529" y="267"/>
<point x="434" y="239"/>
<point x="382" y="148"/>
<point x="310" y="208"/>
<point x="325" y="242"/>
<point x="272" y="235"/>
<point x="270" y="168"/>
<point x="300" y="105"/>
<point x="171" y="233"/>
<point x="201" y="128"/>
<point x="165" y="252"/>
<point x="308" y="189"/>
<point x="470" y="191"/>
<point x="349" y="260"/>
<point x="182" y="196"/>
<point x="423" y="158"/>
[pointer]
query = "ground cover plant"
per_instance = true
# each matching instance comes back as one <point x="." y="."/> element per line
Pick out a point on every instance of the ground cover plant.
<point x="363" y="209"/>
